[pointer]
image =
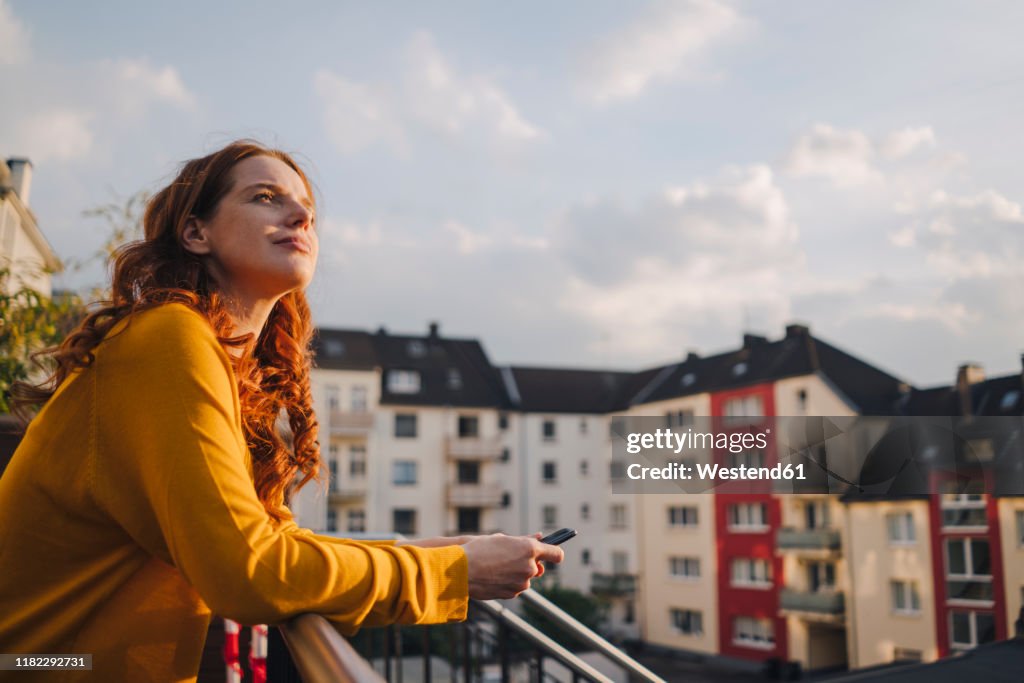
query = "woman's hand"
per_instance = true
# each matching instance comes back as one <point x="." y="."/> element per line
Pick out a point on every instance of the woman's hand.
<point x="434" y="542"/>
<point x="502" y="566"/>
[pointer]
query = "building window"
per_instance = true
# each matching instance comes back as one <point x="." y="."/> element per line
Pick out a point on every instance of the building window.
<point x="684" y="567"/>
<point x="469" y="520"/>
<point x="753" y="632"/>
<point x="617" y="470"/>
<point x="403" y="472"/>
<point x="682" y="516"/>
<point x="585" y="511"/>
<point x="751" y="572"/>
<point x="469" y="426"/>
<point x="620" y="562"/>
<point x="359" y="404"/>
<point x="502" y="421"/>
<point x="334" y="348"/>
<point x="405" y="425"/>
<point x="584" y="468"/>
<point x="506" y="455"/>
<point x="583" y="425"/>
<point x="678" y="418"/>
<point x="748" y="517"/>
<point x="906" y="654"/>
<point x="550" y="516"/>
<point x="549" y="472"/>
<point x="468" y="472"/>
<point x="1020" y="527"/>
<point x="403" y="381"/>
<point x="454" y="379"/>
<point x="333" y="397"/>
<point x="905" y="597"/>
<point x="821" y="577"/>
<point x="801" y="399"/>
<point x="416" y="348"/>
<point x="357" y="462"/>
<point x="332" y="450"/>
<point x="968" y="569"/>
<point x="970" y="629"/>
<point x="743" y="410"/>
<point x="900" y="526"/>
<point x="585" y="557"/>
<point x="629" y="615"/>
<point x="687" y="621"/>
<point x="618" y="516"/>
<point x="548" y="430"/>
<point x="964" y="509"/>
<point x="816" y="514"/>
<point x="753" y="458"/>
<point x="506" y="499"/>
<point x="332" y="467"/>
<point x="357" y="521"/>
<point x="403" y="521"/>
<point x="332" y="520"/>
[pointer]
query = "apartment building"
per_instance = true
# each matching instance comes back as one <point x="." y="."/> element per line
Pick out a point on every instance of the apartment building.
<point x="24" y="250"/>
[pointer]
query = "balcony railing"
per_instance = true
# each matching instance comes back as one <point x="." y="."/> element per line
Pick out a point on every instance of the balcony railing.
<point x="474" y="448"/>
<point x="612" y="584"/>
<point x="494" y="643"/>
<point x="350" y="424"/>
<point x="475" y="495"/>
<point x="343" y="491"/>
<point x="821" y="602"/>
<point x="807" y="539"/>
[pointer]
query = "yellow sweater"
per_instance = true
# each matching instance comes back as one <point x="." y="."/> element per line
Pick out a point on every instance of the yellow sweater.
<point x="128" y="513"/>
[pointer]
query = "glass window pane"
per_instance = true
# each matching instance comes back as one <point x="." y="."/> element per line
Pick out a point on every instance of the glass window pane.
<point x="955" y="557"/>
<point x="980" y="561"/>
<point x="986" y="627"/>
<point x="961" y="628"/>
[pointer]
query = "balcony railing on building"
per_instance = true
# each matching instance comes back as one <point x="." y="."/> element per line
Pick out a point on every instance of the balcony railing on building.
<point x="621" y="583"/>
<point x="819" y="603"/>
<point x="345" y="423"/>
<point x="475" y="495"/>
<point x="826" y="540"/>
<point x="474" y="448"/>
<point x="347" y="490"/>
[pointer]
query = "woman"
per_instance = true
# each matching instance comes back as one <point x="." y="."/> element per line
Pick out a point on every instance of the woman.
<point x="149" y="489"/>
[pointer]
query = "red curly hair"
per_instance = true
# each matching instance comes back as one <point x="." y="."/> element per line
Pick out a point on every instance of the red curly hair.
<point x="158" y="270"/>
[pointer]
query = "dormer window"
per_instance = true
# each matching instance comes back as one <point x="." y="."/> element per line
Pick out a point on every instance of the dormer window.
<point x="454" y="379"/>
<point x="688" y="379"/>
<point x="403" y="381"/>
<point x="739" y="369"/>
<point x="334" y="348"/>
<point x="1010" y="399"/>
<point x="416" y="349"/>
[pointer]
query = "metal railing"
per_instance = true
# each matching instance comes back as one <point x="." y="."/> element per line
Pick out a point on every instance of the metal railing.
<point x="493" y="644"/>
<point x="807" y="539"/>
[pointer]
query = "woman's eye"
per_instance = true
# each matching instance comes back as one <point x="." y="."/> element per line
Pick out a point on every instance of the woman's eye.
<point x="265" y="196"/>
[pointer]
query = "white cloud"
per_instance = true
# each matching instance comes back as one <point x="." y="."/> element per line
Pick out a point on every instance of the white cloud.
<point x="14" y="37"/>
<point x="668" y="41"/>
<point x="901" y="143"/>
<point x="442" y="97"/>
<point x="431" y="93"/>
<point x="844" y="157"/>
<point x="356" y="115"/>
<point x="137" y="84"/>
<point x="57" y="134"/>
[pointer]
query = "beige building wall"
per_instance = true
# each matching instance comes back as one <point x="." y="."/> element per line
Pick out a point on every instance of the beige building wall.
<point x="818" y="397"/>
<point x="876" y="629"/>
<point x="23" y="248"/>
<point x="658" y="591"/>
<point x="1011" y="512"/>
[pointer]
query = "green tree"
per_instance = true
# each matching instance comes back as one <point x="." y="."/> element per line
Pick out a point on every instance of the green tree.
<point x="589" y="611"/>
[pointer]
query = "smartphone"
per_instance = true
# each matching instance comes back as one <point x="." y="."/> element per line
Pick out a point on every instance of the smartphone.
<point x="559" y="537"/>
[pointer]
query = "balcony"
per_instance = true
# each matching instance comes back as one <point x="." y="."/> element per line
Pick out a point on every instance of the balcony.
<point x="346" y="491"/>
<point x="824" y="540"/>
<point x="474" y="448"/>
<point x="475" y="495"/>
<point x="824" y="603"/>
<point x="612" y="584"/>
<point x="350" y="424"/>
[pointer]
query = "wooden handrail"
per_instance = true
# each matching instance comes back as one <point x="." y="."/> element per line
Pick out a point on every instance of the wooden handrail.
<point x="322" y="656"/>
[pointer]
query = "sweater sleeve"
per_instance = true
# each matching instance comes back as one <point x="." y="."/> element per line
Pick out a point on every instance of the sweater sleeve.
<point x="169" y="466"/>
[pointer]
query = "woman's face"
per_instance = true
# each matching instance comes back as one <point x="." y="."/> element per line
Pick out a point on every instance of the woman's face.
<point x="260" y="242"/>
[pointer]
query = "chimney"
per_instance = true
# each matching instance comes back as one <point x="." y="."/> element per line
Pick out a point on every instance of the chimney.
<point x="691" y="356"/>
<point x="967" y="375"/>
<point x="382" y="331"/>
<point x="796" y="330"/>
<point x="21" y="177"/>
<point x="434" y="329"/>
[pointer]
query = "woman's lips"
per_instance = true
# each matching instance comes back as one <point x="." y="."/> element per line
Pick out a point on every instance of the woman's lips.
<point x="295" y="243"/>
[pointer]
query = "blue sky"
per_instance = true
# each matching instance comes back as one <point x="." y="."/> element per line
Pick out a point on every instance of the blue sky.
<point x="595" y="184"/>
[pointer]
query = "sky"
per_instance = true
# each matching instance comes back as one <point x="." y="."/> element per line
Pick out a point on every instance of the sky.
<point x="581" y="184"/>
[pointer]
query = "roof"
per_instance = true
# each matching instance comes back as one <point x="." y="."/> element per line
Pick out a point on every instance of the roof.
<point x="344" y="350"/>
<point x="992" y="663"/>
<point x="995" y="397"/>
<point x="558" y="390"/>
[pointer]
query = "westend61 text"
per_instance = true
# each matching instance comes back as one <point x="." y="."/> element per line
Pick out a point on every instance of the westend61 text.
<point x="665" y="439"/>
<point x="706" y="472"/>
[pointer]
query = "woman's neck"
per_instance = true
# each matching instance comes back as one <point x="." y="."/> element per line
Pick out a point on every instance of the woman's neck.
<point x="248" y="316"/>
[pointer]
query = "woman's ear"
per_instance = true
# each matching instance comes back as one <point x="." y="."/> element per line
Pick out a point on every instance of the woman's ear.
<point x="194" y="238"/>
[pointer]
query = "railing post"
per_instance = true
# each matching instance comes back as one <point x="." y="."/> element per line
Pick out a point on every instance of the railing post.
<point x="398" y="652"/>
<point x="540" y="666"/>
<point x="503" y="653"/>
<point x="388" y="635"/>
<point x="466" y="654"/>
<point x="428" y="673"/>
